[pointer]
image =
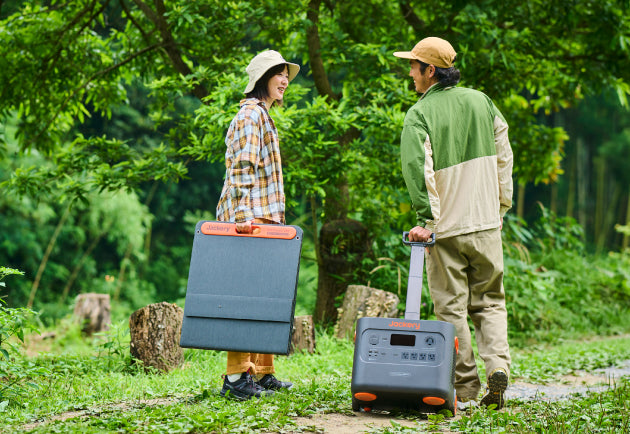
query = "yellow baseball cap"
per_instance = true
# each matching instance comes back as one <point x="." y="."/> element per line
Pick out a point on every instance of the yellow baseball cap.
<point x="431" y="50"/>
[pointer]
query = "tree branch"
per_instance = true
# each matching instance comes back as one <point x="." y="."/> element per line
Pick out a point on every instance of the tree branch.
<point x="410" y="16"/>
<point x="129" y="15"/>
<point x="87" y="82"/>
<point x="317" y="65"/>
<point x="169" y="44"/>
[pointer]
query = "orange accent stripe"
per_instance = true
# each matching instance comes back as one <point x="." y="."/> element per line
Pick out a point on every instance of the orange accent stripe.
<point x="365" y="396"/>
<point x="433" y="400"/>
<point x="456" y="345"/>
<point x="262" y="231"/>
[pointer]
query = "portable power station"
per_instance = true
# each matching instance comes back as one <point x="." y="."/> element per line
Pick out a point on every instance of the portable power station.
<point x="406" y="364"/>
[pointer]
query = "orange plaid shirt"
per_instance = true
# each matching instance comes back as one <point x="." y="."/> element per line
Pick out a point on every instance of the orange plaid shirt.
<point x="253" y="185"/>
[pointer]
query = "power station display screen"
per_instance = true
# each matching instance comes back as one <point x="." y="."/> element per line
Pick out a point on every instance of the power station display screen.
<point x="403" y="340"/>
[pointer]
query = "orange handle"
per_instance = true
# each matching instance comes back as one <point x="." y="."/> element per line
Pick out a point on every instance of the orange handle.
<point x="263" y="231"/>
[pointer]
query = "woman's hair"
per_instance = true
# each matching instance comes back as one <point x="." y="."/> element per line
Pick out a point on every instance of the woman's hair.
<point x="260" y="88"/>
<point x="445" y="76"/>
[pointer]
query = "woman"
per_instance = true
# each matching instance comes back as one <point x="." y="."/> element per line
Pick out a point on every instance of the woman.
<point x="253" y="192"/>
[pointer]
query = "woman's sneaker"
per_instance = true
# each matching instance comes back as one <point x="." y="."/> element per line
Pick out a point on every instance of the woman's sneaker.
<point x="270" y="382"/>
<point x="243" y="388"/>
<point x="497" y="383"/>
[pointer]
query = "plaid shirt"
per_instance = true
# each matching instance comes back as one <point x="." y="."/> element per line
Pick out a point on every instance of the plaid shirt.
<point x="253" y="185"/>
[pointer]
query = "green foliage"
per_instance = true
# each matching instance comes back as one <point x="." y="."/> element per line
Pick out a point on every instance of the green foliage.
<point x="95" y="395"/>
<point x="15" y="378"/>
<point x="555" y="288"/>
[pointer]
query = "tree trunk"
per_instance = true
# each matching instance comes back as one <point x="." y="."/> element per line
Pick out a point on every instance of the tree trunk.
<point x="93" y="311"/>
<point x="600" y="199"/>
<point x="44" y="262"/>
<point x="582" y="182"/>
<point x="155" y="331"/>
<point x="77" y="268"/>
<point x="303" y="334"/>
<point x="361" y="301"/>
<point x="624" y="243"/>
<point x="608" y="218"/>
<point x="343" y="245"/>
<point x="571" y="189"/>
<point x="520" y="201"/>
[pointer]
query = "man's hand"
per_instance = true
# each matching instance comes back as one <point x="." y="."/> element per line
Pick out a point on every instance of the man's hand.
<point x="419" y="234"/>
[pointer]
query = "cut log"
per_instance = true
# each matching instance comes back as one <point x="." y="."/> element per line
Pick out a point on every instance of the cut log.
<point x="155" y="331"/>
<point x="303" y="334"/>
<point x="360" y="301"/>
<point x="93" y="312"/>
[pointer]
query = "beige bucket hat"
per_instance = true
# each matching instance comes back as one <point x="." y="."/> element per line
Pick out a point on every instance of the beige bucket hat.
<point x="431" y="50"/>
<point x="262" y="62"/>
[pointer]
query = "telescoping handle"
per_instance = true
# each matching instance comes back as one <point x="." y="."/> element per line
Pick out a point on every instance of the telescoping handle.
<point x="414" y="284"/>
<point x="405" y="240"/>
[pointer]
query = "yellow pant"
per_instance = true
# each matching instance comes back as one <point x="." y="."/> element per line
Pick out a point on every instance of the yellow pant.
<point x="465" y="275"/>
<point x="255" y="363"/>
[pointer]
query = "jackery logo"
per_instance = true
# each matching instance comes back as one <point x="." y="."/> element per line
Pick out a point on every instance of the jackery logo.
<point x="218" y="227"/>
<point x="407" y="325"/>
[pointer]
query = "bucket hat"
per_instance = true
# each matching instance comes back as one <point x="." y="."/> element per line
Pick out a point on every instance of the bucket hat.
<point x="431" y="50"/>
<point x="262" y="62"/>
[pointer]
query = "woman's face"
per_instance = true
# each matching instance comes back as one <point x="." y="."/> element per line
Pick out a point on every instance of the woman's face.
<point x="277" y="85"/>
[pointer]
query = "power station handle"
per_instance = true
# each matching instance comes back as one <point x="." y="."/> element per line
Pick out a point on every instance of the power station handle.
<point x="405" y="240"/>
<point x="416" y="268"/>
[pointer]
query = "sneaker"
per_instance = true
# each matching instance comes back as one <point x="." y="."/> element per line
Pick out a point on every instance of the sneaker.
<point x="243" y="388"/>
<point x="497" y="383"/>
<point x="270" y="382"/>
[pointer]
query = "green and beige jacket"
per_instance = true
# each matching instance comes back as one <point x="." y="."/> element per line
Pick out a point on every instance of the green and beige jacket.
<point x="457" y="161"/>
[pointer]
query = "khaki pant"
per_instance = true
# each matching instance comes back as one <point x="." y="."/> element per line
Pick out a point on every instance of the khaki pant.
<point x="255" y="363"/>
<point x="465" y="275"/>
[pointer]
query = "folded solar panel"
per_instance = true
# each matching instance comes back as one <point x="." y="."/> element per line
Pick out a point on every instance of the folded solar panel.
<point x="241" y="288"/>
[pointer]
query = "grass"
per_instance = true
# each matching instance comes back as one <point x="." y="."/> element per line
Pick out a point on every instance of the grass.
<point x="98" y="390"/>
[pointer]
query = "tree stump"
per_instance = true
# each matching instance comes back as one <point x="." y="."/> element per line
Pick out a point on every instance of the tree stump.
<point x="361" y="301"/>
<point x="155" y="331"/>
<point x="93" y="312"/>
<point x="303" y="334"/>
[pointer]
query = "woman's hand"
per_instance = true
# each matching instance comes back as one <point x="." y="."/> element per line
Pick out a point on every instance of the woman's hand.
<point x="244" y="227"/>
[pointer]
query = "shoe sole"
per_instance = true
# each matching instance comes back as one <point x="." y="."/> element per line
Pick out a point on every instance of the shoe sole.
<point x="231" y="394"/>
<point x="497" y="383"/>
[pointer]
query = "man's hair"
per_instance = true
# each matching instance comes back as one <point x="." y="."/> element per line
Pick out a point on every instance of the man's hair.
<point x="260" y="88"/>
<point x="445" y="76"/>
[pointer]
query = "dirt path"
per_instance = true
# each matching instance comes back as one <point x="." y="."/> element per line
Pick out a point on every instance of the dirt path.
<point x="335" y="423"/>
<point x="568" y="385"/>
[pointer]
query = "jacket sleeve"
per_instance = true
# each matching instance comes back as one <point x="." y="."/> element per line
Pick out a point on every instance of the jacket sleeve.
<point x="246" y="147"/>
<point x="504" y="162"/>
<point x="413" y="157"/>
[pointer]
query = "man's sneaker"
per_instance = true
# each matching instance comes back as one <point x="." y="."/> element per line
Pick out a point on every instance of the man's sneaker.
<point x="243" y="388"/>
<point x="270" y="382"/>
<point x="497" y="383"/>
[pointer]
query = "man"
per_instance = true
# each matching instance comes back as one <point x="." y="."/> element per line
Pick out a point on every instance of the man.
<point x="457" y="165"/>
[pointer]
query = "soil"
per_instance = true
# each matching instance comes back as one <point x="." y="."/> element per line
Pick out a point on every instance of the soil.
<point x="581" y="382"/>
<point x="569" y="385"/>
<point x="335" y="423"/>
